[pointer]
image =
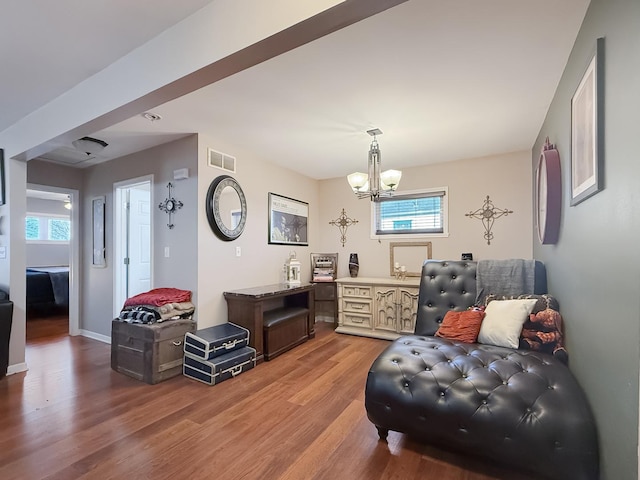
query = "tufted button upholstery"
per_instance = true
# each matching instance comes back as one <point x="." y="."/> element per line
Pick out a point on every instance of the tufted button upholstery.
<point x="521" y="408"/>
<point x="444" y="286"/>
<point x="518" y="407"/>
<point x="451" y="285"/>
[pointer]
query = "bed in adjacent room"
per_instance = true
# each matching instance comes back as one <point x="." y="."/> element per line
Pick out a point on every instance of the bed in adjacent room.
<point x="48" y="288"/>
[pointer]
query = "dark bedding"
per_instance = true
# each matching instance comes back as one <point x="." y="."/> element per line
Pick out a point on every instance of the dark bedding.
<point x="48" y="287"/>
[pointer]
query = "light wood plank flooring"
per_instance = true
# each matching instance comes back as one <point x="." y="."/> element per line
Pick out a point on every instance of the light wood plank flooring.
<point x="300" y="416"/>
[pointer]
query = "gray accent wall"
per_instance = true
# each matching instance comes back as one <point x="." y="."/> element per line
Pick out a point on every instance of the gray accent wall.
<point x="594" y="268"/>
<point x="179" y="270"/>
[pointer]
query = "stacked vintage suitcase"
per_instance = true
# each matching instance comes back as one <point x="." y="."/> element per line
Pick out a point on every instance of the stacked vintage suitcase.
<point x="214" y="354"/>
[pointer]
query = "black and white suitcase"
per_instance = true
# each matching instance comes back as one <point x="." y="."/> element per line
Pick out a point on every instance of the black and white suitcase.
<point x="220" y="368"/>
<point x="211" y="342"/>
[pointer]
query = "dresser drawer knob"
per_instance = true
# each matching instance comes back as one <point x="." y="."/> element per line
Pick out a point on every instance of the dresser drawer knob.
<point x="177" y="343"/>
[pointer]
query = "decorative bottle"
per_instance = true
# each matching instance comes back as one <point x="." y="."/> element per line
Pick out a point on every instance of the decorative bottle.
<point x="354" y="266"/>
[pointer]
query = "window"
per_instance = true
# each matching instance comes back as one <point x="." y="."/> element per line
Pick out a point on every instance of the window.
<point x="59" y="230"/>
<point x="32" y="228"/>
<point x="411" y="214"/>
<point x="42" y="228"/>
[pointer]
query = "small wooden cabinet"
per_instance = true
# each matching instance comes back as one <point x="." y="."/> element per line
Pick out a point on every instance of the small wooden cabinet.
<point x="377" y="307"/>
<point x="259" y="307"/>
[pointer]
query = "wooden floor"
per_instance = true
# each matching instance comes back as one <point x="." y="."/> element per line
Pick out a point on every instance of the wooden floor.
<point x="299" y="416"/>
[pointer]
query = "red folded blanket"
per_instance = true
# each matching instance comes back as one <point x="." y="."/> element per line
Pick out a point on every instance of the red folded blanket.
<point x="159" y="296"/>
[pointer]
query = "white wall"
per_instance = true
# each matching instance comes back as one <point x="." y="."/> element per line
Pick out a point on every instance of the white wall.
<point x="219" y="269"/>
<point x="12" y="268"/>
<point x="505" y="178"/>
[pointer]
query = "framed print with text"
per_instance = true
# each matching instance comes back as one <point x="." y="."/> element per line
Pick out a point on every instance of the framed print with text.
<point x="288" y="221"/>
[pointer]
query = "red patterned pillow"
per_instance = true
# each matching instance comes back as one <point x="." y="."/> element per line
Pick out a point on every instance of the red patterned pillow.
<point x="461" y="326"/>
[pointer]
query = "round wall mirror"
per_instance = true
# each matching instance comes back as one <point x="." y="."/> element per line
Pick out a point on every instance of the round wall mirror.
<point x="226" y="208"/>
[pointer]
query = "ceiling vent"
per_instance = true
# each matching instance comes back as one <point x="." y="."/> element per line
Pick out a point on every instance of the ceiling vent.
<point x="221" y="160"/>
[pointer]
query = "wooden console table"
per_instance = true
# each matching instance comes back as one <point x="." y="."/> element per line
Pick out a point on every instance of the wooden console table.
<point x="247" y="308"/>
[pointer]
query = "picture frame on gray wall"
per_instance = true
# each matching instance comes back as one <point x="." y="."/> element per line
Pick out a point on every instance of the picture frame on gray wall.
<point x="99" y="258"/>
<point x="2" y="193"/>
<point x="587" y="130"/>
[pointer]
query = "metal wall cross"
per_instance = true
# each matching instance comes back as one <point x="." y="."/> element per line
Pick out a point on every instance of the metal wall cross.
<point x="488" y="213"/>
<point x="343" y="222"/>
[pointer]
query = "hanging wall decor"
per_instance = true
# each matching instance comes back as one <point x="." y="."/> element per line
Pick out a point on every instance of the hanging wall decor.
<point x="488" y="213"/>
<point x="170" y="205"/>
<point x="587" y="130"/>
<point x="98" y="231"/>
<point x="343" y="222"/>
<point x="288" y="221"/>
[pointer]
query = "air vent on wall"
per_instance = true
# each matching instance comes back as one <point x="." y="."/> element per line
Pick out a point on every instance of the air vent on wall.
<point x="222" y="160"/>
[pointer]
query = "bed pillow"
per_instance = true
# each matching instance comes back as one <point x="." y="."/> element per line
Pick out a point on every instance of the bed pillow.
<point x="461" y="326"/>
<point x="503" y="322"/>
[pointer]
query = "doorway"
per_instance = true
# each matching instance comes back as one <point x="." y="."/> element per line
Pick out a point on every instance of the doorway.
<point x="133" y="272"/>
<point x="44" y="256"/>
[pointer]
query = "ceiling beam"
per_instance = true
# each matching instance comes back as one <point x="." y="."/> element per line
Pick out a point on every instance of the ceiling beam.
<point x="184" y="58"/>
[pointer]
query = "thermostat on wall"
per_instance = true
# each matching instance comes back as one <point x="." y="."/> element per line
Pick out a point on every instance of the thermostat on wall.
<point x="181" y="174"/>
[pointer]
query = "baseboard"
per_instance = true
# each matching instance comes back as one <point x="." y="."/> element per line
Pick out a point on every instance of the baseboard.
<point x="17" y="368"/>
<point x="95" y="336"/>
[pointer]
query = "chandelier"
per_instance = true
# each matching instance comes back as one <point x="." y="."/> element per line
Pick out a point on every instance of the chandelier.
<point x="375" y="184"/>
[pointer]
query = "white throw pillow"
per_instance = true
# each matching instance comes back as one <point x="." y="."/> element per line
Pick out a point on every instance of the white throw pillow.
<point x="503" y="322"/>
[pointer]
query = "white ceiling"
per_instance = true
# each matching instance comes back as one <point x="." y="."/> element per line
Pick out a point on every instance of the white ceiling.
<point x="442" y="80"/>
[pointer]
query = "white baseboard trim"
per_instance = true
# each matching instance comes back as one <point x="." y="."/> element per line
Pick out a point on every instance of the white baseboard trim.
<point x="95" y="336"/>
<point x="17" y="368"/>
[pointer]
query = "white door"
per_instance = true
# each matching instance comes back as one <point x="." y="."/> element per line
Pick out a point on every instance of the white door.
<point x="139" y="240"/>
<point x="132" y="239"/>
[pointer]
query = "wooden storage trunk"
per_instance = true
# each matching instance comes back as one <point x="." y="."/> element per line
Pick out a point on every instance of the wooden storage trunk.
<point x="151" y="353"/>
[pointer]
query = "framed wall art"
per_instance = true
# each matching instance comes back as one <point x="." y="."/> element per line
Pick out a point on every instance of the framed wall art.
<point x="2" y="194"/>
<point x="98" y="234"/>
<point x="288" y="221"/>
<point x="587" y="130"/>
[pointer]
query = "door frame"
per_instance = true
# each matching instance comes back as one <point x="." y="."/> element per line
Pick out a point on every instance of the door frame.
<point x="118" y="254"/>
<point x="74" y="253"/>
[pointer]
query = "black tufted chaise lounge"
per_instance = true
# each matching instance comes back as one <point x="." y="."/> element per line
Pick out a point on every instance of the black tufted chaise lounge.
<point x="518" y="407"/>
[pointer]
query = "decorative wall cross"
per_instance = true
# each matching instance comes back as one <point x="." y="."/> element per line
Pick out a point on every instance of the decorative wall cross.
<point x="488" y="213"/>
<point x="343" y="222"/>
<point x="170" y="205"/>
